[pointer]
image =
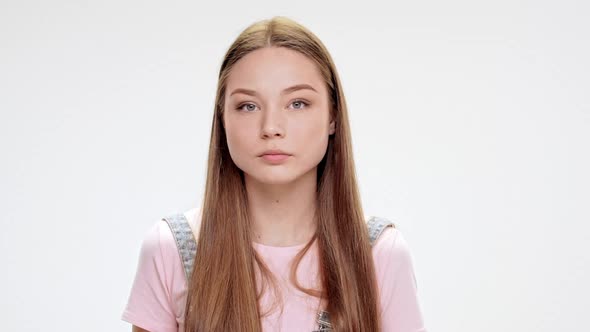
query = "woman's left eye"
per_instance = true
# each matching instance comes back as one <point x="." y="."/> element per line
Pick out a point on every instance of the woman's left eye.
<point x="299" y="102"/>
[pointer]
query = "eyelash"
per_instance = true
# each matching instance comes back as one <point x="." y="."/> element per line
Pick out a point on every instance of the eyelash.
<point x="239" y="108"/>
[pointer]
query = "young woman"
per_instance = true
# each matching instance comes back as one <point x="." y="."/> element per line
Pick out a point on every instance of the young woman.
<point x="282" y="243"/>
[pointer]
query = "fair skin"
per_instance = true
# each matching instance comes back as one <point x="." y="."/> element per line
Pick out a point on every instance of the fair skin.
<point x="281" y="196"/>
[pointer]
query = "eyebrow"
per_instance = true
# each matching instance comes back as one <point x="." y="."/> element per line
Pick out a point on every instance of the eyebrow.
<point x="285" y="91"/>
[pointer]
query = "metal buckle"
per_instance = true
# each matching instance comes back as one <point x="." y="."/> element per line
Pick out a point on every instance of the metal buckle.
<point x="323" y="322"/>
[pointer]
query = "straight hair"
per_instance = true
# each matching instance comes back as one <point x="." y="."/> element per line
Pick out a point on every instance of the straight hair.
<point x="223" y="292"/>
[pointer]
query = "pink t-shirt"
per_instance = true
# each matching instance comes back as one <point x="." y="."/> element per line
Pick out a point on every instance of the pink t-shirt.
<point x="158" y="295"/>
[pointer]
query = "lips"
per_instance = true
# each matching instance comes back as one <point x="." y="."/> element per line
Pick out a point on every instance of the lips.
<point x="275" y="158"/>
<point x="274" y="152"/>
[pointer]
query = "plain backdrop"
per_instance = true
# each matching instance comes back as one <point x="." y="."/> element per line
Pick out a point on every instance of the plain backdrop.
<point x="470" y="123"/>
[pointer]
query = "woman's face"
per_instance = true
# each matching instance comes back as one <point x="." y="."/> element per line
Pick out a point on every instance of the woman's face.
<point x="262" y="113"/>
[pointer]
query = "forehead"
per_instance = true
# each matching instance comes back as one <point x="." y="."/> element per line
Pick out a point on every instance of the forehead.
<point x="271" y="69"/>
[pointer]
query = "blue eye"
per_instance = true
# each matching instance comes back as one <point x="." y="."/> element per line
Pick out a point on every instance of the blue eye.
<point x="245" y="104"/>
<point x="300" y="102"/>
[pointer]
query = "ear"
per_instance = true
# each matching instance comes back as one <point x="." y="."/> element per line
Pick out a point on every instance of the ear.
<point x="332" y="127"/>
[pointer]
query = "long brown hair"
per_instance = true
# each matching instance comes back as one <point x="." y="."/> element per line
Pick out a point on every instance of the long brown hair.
<point x="223" y="293"/>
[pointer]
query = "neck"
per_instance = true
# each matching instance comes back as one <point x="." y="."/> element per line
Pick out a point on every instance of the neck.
<point x="282" y="215"/>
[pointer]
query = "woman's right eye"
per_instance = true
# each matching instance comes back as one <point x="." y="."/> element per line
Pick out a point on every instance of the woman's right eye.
<point x="241" y="107"/>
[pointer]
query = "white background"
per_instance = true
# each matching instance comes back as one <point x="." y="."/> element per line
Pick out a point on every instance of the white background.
<point x="471" y="129"/>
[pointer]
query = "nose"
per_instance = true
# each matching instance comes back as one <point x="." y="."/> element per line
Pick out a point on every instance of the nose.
<point x="272" y="124"/>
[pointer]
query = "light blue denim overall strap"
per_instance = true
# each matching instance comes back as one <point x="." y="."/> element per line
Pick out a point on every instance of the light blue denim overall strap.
<point x="375" y="226"/>
<point x="185" y="241"/>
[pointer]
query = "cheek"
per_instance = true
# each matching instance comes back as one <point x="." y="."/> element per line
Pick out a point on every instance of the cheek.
<point x="237" y="141"/>
<point x="313" y="140"/>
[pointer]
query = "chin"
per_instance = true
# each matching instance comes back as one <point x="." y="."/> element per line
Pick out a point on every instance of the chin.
<point x="275" y="180"/>
<point x="271" y="178"/>
<point x="276" y="174"/>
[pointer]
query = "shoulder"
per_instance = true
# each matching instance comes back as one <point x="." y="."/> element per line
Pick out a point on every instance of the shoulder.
<point x="159" y="248"/>
<point x="160" y="259"/>
<point x="397" y="283"/>
<point x="158" y="285"/>
<point x="160" y="240"/>
<point x="159" y="254"/>
<point x="159" y="237"/>
<point x="391" y="251"/>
